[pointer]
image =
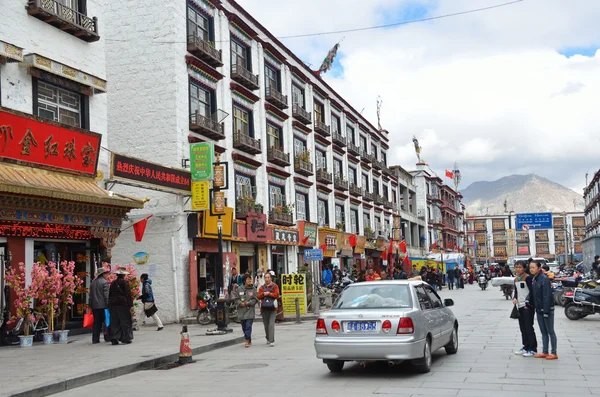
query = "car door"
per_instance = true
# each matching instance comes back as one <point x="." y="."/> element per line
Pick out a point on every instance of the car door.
<point x="441" y="319"/>
<point x="428" y="313"/>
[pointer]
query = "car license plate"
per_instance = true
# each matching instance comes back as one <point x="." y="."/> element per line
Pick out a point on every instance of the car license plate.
<point x="356" y="326"/>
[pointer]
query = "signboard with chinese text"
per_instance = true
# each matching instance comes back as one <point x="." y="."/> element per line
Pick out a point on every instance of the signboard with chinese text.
<point x="202" y="157"/>
<point x="539" y="220"/>
<point x="33" y="140"/>
<point x="200" y="195"/>
<point x="293" y="286"/>
<point x="313" y="255"/>
<point x="256" y="227"/>
<point x="284" y="236"/>
<point x="523" y="250"/>
<point x="43" y="230"/>
<point x="132" y="169"/>
<point x="308" y="233"/>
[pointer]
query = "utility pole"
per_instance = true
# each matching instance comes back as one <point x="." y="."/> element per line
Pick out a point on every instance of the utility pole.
<point x="566" y="244"/>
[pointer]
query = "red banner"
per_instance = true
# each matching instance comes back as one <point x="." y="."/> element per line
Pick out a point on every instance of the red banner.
<point x="29" y="139"/>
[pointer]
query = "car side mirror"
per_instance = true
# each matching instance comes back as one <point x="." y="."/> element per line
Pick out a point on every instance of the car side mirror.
<point x="448" y="302"/>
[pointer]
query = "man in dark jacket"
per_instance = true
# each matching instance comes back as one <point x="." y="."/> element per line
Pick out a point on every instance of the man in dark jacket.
<point x="120" y="303"/>
<point x="99" y="302"/>
<point x="523" y="301"/>
<point x="147" y="298"/>
<point x="544" y="308"/>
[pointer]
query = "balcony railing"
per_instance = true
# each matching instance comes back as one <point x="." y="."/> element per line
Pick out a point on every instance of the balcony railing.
<point x="387" y="171"/>
<point x="324" y="177"/>
<point x="298" y="112"/>
<point x="340" y="183"/>
<point x="338" y="139"/>
<point x="276" y="97"/>
<point x="243" y="76"/>
<point x="354" y="190"/>
<point x="322" y="128"/>
<point x="367" y="196"/>
<point x="244" y="206"/>
<point x="65" y="18"/>
<point x="367" y="157"/>
<point x="246" y="143"/>
<point x="303" y="167"/>
<point x="379" y="200"/>
<point x="280" y="218"/>
<point x="204" y="50"/>
<point x="278" y="156"/>
<point x="388" y="205"/>
<point x="377" y="164"/>
<point x="371" y="235"/>
<point x="353" y="149"/>
<point x="207" y="126"/>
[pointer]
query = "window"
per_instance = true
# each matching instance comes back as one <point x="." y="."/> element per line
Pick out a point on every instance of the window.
<point x="336" y="127"/>
<point x="365" y="182"/>
<point x="363" y="143"/>
<point x="298" y="95"/>
<point x="319" y="108"/>
<point x="301" y="206"/>
<point x="199" y="25"/>
<point x="272" y="79"/>
<point x="374" y="150"/>
<point x="339" y="214"/>
<point x="378" y="223"/>
<point x="244" y="186"/>
<point x="433" y="297"/>
<point x="201" y="101"/>
<point x="241" y="122"/>
<point x="350" y="134"/>
<point x="375" y="186"/>
<point x="384" y="191"/>
<point x="394" y="198"/>
<point x="352" y="175"/>
<point x="337" y="168"/>
<point x="240" y="55"/>
<point x="276" y="196"/>
<point x="424" y="300"/>
<point x="322" y="213"/>
<point x="384" y="158"/>
<point x="299" y="146"/>
<point x="366" y="220"/>
<point x="353" y="221"/>
<point x="274" y="137"/>
<point x="321" y="160"/>
<point x="57" y="104"/>
<point x="384" y="297"/>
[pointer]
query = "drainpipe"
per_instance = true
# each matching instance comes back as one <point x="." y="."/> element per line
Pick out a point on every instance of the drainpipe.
<point x="175" y="286"/>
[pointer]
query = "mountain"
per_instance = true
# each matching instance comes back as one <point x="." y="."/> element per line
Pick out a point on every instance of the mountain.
<point x="523" y="193"/>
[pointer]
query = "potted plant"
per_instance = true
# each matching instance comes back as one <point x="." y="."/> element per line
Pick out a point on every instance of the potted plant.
<point x="340" y="225"/>
<point x="258" y="208"/>
<point x="368" y="229"/>
<point x="69" y="284"/>
<point x="15" y="279"/>
<point x="46" y="287"/>
<point x="304" y="156"/>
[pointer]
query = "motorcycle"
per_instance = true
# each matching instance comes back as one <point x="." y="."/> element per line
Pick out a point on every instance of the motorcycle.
<point x="482" y="281"/>
<point x="507" y="290"/>
<point x="207" y="310"/>
<point x="584" y="302"/>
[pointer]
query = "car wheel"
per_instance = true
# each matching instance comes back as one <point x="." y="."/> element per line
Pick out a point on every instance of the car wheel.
<point x="423" y="365"/>
<point x="452" y="346"/>
<point x="335" y="366"/>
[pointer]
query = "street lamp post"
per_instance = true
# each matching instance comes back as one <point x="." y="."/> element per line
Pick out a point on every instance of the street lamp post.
<point x="566" y="242"/>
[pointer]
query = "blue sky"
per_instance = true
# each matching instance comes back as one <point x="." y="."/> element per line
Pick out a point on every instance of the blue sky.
<point x="585" y="51"/>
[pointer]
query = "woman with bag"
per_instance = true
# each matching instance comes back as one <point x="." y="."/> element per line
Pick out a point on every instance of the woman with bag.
<point x="245" y="299"/>
<point x="147" y="298"/>
<point x="120" y="303"/>
<point x="268" y="295"/>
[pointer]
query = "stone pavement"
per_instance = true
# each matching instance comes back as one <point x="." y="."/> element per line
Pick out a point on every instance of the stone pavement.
<point x="484" y="366"/>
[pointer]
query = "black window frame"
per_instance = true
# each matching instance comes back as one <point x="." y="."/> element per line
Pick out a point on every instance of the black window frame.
<point x="212" y="96"/>
<point x="84" y="101"/>
<point x="321" y="106"/>
<point x="211" y="22"/>
<point x="277" y="78"/>
<point x="303" y="92"/>
<point x="337" y="161"/>
<point x="423" y="298"/>
<point x="343" y="213"/>
<point x="355" y="212"/>
<point x="337" y="122"/>
<point x="247" y="54"/>
<point x="354" y="173"/>
<point x="365" y="179"/>
<point x="363" y="139"/>
<point x="326" y="223"/>
<point x="306" y="206"/>
<point x="250" y="118"/>
<point x="433" y="297"/>
<point x="252" y="183"/>
<point x="350" y="134"/>
<point x="281" y="189"/>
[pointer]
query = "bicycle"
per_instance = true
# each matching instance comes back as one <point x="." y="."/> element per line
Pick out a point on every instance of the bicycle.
<point x="37" y="327"/>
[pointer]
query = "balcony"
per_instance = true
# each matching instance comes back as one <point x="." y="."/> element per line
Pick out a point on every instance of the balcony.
<point x="278" y="156"/>
<point x="368" y="158"/>
<point x="246" y="143"/>
<point x="299" y="113"/>
<point x="378" y="165"/>
<point x="207" y="126"/>
<point x="280" y="218"/>
<point x="245" y="205"/>
<point x="322" y="128"/>
<point x="388" y="205"/>
<point x="433" y="197"/>
<point x="387" y="171"/>
<point x="204" y="50"/>
<point x="324" y="177"/>
<point x="354" y="190"/>
<point x="368" y="196"/>
<point x="338" y="139"/>
<point x="353" y="149"/>
<point x="303" y="167"/>
<point x="370" y="235"/>
<point x="276" y="98"/>
<point x="240" y="74"/>
<point x="340" y="183"/>
<point x="65" y="18"/>
<point x="379" y="200"/>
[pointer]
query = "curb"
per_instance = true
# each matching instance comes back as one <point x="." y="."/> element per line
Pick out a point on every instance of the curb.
<point x="258" y="319"/>
<point x="83" y="380"/>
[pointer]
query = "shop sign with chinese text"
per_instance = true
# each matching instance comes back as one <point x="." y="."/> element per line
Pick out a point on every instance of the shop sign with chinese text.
<point x="202" y="157"/>
<point x="136" y="170"/>
<point x="200" y="195"/>
<point x="285" y="236"/>
<point x="293" y="286"/>
<point x="256" y="227"/>
<point x="33" y="140"/>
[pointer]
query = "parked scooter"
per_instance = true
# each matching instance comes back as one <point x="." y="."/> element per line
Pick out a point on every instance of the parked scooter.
<point x="584" y="302"/>
<point x="482" y="281"/>
<point x="207" y="310"/>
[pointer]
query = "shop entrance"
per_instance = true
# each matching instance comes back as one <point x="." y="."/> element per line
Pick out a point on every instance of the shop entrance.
<point x="278" y="260"/>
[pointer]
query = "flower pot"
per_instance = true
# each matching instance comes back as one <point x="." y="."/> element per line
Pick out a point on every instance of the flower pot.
<point x="63" y="336"/>
<point x="56" y="335"/>
<point x="48" y="338"/>
<point x="26" y="341"/>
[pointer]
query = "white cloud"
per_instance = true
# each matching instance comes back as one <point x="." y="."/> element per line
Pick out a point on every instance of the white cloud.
<point x="488" y="90"/>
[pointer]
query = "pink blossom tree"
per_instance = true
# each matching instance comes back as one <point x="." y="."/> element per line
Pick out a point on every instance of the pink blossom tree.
<point x="69" y="284"/>
<point x="46" y="284"/>
<point x="15" y="279"/>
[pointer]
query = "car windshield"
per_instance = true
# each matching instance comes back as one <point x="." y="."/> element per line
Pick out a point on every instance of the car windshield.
<point x="374" y="296"/>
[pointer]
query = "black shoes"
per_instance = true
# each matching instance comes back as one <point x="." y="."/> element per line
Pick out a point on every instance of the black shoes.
<point x="160" y="328"/>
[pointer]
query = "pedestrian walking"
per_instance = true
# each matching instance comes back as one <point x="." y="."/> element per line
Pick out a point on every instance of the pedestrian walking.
<point x="268" y="295"/>
<point x="259" y="280"/>
<point x="326" y="276"/>
<point x="120" y="303"/>
<point x="522" y="299"/>
<point x="245" y="299"/>
<point x="451" y="278"/>
<point x="99" y="301"/>
<point x="544" y="308"/>
<point x="147" y="299"/>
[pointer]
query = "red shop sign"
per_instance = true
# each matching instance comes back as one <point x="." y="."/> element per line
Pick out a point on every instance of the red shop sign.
<point x="136" y="170"/>
<point x="256" y="227"/>
<point x="33" y="140"/>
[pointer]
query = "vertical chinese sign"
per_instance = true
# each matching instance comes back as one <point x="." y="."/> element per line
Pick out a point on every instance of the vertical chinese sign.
<point x="293" y="286"/>
<point x="202" y="157"/>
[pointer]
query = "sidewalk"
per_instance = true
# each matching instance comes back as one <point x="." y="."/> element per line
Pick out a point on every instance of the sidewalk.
<point x="47" y="369"/>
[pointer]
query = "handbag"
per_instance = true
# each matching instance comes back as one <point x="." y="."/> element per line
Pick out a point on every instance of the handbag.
<point x="107" y="317"/>
<point x="269" y="302"/>
<point x="515" y="312"/>
<point x="88" y="319"/>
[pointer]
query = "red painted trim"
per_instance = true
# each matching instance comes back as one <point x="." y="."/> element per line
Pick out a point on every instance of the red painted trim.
<point x="245" y="92"/>
<point x="302" y="181"/>
<point x="323" y="188"/>
<point x="322" y="140"/>
<point x="278" y="171"/>
<point x="192" y="60"/>
<point x="301" y="126"/>
<point x="276" y="111"/>
<point x="248" y="160"/>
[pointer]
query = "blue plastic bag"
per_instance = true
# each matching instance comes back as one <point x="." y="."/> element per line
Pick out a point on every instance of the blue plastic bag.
<point x="107" y="317"/>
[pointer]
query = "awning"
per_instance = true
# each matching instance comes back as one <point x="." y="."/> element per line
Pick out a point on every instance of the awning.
<point x="56" y="185"/>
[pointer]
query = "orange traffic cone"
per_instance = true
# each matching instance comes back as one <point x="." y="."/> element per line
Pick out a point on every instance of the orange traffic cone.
<point x="185" y="350"/>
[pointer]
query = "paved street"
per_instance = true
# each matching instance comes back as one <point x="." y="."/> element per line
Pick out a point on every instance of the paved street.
<point x="484" y="365"/>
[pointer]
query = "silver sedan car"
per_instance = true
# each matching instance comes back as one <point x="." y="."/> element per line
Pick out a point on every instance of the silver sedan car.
<point x="392" y="320"/>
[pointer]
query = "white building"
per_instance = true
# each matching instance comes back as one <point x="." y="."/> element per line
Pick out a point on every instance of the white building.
<point x="591" y="242"/>
<point x="207" y="71"/>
